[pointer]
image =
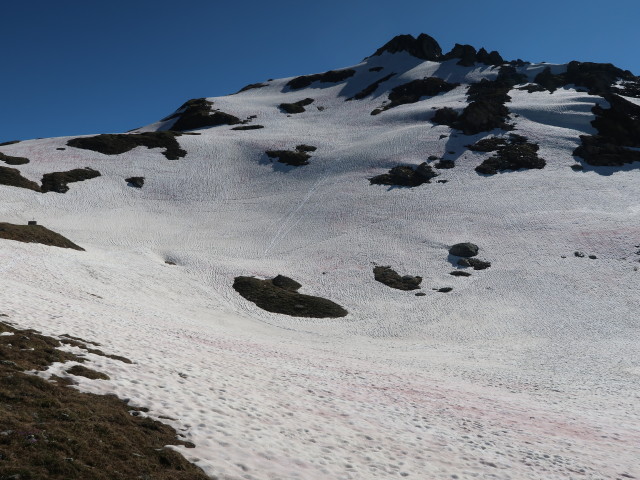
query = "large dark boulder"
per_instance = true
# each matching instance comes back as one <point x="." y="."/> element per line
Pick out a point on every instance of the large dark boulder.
<point x="279" y="295"/>
<point x="392" y="279"/>
<point x="476" y="263"/>
<point x="465" y="249"/>
<point x="423" y="47"/>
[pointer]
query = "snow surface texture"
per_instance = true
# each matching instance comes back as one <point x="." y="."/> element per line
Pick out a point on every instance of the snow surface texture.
<point x="527" y="370"/>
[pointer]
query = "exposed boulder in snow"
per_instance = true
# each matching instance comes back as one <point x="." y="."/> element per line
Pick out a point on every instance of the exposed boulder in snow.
<point x="296" y="107"/>
<point x="413" y="91"/>
<point x="460" y="273"/>
<point x="279" y="295"/>
<point x="424" y="47"/>
<point x="476" y="263"/>
<point x="392" y="279"/>
<point x="13" y="178"/>
<point x="405" y="176"/>
<point x="465" y="249"/>
<point x="445" y="164"/>
<point x="136" y="182"/>
<point x="57" y="181"/>
<point x="115" y="144"/>
<point x="35" y="234"/>
<point x="332" y="76"/>
<point x="9" y="160"/>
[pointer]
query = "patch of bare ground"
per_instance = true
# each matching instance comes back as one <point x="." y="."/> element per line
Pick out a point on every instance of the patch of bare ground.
<point x="35" y="234"/>
<point x="51" y="431"/>
<point x="115" y="144"/>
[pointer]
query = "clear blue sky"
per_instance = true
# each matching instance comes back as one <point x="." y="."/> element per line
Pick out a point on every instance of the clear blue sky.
<point x="71" y="67"/>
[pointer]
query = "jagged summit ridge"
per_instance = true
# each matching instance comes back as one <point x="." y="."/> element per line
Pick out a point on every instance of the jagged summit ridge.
<point x="426" y="47"/>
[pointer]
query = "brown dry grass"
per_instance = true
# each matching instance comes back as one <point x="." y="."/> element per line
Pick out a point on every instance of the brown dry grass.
<point x="51" y="431"/>
<point x="35" y="234"/>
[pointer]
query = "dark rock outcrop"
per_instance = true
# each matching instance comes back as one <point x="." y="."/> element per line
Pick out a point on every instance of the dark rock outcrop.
<point x="136" y="182"/>
<point x="35" y="234"/>
<point x="405" y="176"/>
<point x="248" y="127"/>
<point x="465" y="249"/>
<point x="460" y="273"/>
<point x="332" y="76"/>
<point x="251" y="86"/>
<point x="294" y="158"/>
<point x="598" y="78"/>
<point x="513" y="156"/>
<point x="413" y="91"/>
<point x="9" y="160"/>
<point x="445" y="164"/>
<point x="297" y="107"/>
<point x="476" y="263"/>
<point x="618" y="128"/>
<point x="57" y="181"/>
<point x="490" y="144"/>
<point x="423" y="47"/>
<point x="390" y="278"/>
<point x="10" y="142"/>
<point x="279" y="295"/>
<point x="115" y="144"/>
<point x="368" y="90"/>
<point x="466" y="53"/>
<point x="13" y="178"/>
<point x="445" y="116"/>
<point x="197" y="113"/>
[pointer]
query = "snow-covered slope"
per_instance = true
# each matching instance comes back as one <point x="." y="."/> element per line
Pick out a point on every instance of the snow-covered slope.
<point x="527" y="369"/>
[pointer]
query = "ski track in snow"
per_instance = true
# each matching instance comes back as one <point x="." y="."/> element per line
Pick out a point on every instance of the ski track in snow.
<point x="527" y="370"/>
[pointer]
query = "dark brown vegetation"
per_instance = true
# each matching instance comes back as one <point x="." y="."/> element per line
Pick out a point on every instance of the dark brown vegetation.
<point x="332" y="76"/>
<point x="365" y="92"/>
<point x="115" y="144"/>
<point x="280" y="295"/>
<point x="82" y="371"/>
<point x="57" y="181"/>
<point x="392" y="279"/>
<point x="13" y="160"/>
<point x="197" y="113"/>
<point x="35" y="234"/>
<point x="294" y="158"/>
<point x="297" y="107"/>
<point x="413" y="91"/>
<point x="51" y="431"/>
<point x="13" y="178"/>
<point x="405" y="176"/>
